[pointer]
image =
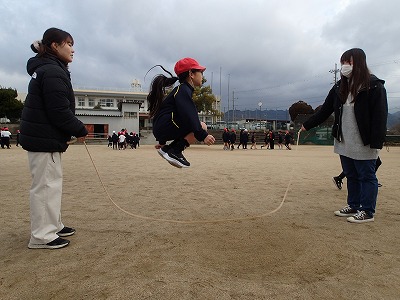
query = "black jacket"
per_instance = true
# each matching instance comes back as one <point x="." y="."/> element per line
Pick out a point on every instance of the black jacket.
<point x="178" y="109"/>
<point x="48" y="119"/>
<point x="370" y="109"/>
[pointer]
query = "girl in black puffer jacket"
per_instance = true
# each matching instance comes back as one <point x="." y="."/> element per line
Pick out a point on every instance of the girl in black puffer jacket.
<point x="47" y="123"/>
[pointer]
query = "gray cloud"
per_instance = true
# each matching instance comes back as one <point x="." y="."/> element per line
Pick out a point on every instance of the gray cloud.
<point x="277" y="52"/>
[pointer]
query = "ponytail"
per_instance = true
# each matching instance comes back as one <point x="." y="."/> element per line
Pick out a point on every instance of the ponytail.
<point x="157" y="90"/>
<point x="35" y="46"/>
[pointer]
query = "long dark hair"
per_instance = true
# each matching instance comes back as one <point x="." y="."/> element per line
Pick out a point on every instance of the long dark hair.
<point x="157" y="88"/>
<point x="360" y="77"/>
<point x="51" y="35"/>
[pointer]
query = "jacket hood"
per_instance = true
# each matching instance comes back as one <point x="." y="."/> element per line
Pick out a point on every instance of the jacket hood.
<point x="375" y="79"/>
<point x="36" y="62"/>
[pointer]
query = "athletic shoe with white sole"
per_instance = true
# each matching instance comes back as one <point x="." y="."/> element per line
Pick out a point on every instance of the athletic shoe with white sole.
<point x="163" y="152"/>
<point x="173" y="153"/>
<point x="346" y="211"/>
<point x="361" y="217"/>
<point x="177" y="159"/>
<point x="55" y="244"/>
<point x="66" y="231"/>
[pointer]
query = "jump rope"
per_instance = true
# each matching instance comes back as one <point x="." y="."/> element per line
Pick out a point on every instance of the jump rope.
<point x="194" y="221"/>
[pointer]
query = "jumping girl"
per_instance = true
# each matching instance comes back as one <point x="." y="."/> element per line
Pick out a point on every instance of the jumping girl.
<point x="175" y="117"/>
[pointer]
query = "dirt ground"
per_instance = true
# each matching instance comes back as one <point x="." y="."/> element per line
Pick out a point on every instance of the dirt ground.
<point x="242" y="224"/>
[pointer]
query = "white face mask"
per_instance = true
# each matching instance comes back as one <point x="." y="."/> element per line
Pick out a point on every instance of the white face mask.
<point x="346" y="70"/>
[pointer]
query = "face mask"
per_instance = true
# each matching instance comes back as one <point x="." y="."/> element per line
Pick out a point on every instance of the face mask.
<point x="346" y="70"/>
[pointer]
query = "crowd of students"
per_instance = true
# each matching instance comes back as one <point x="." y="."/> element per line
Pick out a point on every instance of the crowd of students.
<point x="123" y="139"/>
<point x="229" y="139"/>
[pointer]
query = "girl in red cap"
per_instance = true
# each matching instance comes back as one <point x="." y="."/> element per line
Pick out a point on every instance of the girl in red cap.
<point x="175" y="117"/>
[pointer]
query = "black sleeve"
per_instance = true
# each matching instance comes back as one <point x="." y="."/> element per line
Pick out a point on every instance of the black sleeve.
<point x="188" y="113"/>
<point x="379" y="114"/>
<point x="323" y="113"/>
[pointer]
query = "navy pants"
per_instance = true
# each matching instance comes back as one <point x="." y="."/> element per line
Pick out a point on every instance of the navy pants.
<point x="362" y="184"/>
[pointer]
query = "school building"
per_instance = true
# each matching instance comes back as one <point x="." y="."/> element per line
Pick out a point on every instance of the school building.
<point x="105" y="111"/>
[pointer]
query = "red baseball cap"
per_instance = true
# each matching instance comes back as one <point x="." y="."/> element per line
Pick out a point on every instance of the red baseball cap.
<point x="186" y="64"/>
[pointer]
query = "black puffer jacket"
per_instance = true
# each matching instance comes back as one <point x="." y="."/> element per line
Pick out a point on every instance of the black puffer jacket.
<point x="48" y="119"/>
<point x="370" y="109"/>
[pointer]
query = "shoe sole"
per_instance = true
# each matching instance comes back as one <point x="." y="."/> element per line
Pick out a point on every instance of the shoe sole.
<point x="339" y="214"/>
<point x="334" y="182"/>
<point x="44" y="246"/>
<point x="165" y="156"/>
<point x="161" y="153"/>
<point x="175" y="162"/>
<point x="66" y="234"/>
<point x="352" y="220"/>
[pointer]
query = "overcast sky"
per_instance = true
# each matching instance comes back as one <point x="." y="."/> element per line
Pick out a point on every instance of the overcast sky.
<point x="273" y="51"/>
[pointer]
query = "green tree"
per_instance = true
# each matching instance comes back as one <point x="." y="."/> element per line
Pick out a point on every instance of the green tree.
<point x="10" y="107"/>
<point x="204" y="99"/>
<point x="300" y="108"/>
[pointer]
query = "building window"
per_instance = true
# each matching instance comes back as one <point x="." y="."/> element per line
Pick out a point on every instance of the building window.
<point x="81" y="101"/>
<point x="91" y="102"/>
<point x="107" y="102"/>
<point x="130" y="114"/>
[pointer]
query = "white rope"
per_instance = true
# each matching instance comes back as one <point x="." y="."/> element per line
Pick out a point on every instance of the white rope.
<point x="194" y="221"/>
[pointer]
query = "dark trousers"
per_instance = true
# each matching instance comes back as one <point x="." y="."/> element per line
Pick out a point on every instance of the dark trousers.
<point x="362" y="184"/>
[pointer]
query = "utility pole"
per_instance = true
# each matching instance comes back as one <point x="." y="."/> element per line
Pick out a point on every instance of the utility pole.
<point x="229" y="77"/>
<point x="220" y="89"/>
<point x="233" y="104"/>
<point x="335" y="71"/>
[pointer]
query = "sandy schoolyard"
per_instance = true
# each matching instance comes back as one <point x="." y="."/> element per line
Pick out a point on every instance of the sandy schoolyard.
<point x="255" y="224"/>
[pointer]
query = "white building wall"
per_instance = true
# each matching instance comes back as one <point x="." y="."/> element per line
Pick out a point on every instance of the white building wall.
<point x="109" y="114"/>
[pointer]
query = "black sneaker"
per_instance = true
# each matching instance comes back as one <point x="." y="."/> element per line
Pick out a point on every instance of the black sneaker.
<point x="361" y="217"/>
<point x="346" y="211"/>
<point x="55" y="244"/>
<point x="177" y="159"/>
<point x="338" y="182"/>
<point x="66" y="231"/>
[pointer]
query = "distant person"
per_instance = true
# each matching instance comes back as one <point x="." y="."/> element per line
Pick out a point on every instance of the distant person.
<point x="245" y="138"/>
<point x="288" y="139"/>
<point x="114" y="139"/>
<point x="121" y="141"/>
<point x="47" y="123"/>
<point x="137" y="140"/>
<point x="175" y="116"/>
<point x="271" y="140"/>
<point x="232" y="138"/>
<point x="266" y="140"/>
<point x="253" y="141"/>
<point x="240" y="138"/>
<point x="5" y="138"/>
<point x="359" y="102"/>
<point x="225" y="138"/>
